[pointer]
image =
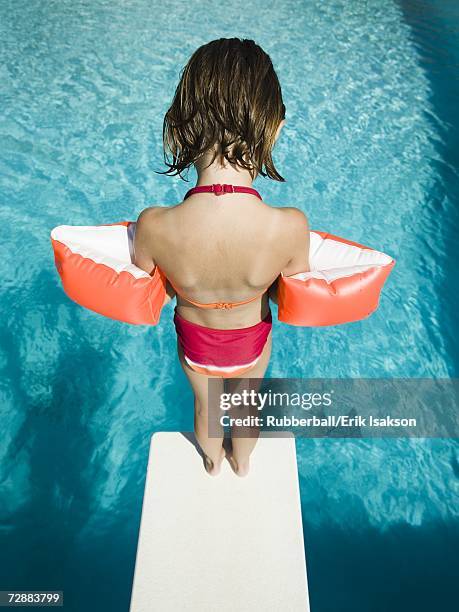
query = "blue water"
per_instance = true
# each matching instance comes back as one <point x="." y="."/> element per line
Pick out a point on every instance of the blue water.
<point x="370" y="152"/>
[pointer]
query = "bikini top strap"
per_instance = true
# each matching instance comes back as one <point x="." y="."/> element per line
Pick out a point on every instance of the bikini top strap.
<point x="217" y="305"/>
<point x="221" y="189"/>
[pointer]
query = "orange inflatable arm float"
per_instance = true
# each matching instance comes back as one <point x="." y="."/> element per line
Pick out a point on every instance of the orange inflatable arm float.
<point x="96" y="270"/>
<point x="343" y="285"/>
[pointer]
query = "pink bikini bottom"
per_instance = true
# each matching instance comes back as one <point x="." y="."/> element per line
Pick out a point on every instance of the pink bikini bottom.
<point x="222" y="352"/>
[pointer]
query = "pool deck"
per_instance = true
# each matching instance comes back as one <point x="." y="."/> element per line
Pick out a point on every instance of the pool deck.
<point x="220" y="543"/>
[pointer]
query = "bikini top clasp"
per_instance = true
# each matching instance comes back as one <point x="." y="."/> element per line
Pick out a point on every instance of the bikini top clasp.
<point x="219" y="189"/>
<point x="224" y="305"/>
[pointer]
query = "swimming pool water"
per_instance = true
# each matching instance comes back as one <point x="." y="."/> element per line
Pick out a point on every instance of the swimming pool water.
<point x="369" y="152"/>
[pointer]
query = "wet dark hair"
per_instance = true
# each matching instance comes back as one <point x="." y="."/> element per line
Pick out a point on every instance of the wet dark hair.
<point x="228" y="95"/>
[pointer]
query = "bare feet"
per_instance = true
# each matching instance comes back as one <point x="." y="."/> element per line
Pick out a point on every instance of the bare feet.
<point x="214" y="468"/>
<point x="240" y="469"/>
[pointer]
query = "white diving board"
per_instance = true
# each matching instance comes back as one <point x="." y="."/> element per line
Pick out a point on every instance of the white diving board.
<point x="223" y="543"/>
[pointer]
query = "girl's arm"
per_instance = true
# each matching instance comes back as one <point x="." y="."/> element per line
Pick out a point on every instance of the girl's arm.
<point x="296" y="243"/>
<point x="143" y="257"/>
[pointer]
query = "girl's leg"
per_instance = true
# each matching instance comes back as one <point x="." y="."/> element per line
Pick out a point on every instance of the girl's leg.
<point x="243" y="446"/>
<point x="212" y="447"/>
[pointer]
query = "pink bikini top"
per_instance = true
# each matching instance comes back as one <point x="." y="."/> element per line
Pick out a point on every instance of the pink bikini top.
<point x="219" y="190"/>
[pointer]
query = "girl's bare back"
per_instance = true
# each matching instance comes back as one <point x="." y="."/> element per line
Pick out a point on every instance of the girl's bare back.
<point x="227" y="249"/>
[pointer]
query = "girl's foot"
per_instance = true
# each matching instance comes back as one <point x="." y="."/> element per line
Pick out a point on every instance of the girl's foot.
<point x="240" y="469"/>
<point x="214" y="468"/>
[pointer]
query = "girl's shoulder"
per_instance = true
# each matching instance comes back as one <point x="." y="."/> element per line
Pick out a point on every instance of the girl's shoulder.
<point x="290" y="218"/>
<point x="153" y="213"/>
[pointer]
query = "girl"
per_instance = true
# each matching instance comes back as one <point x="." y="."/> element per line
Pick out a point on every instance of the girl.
<point x="222" y="248"/>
